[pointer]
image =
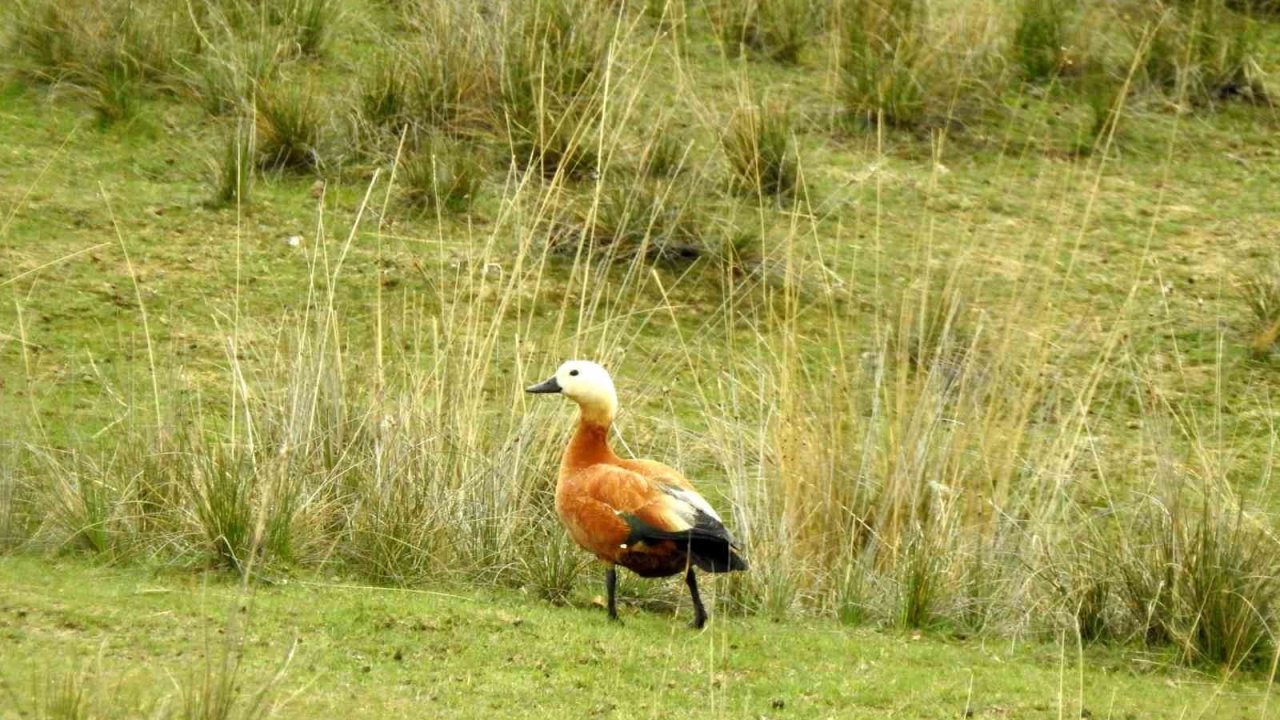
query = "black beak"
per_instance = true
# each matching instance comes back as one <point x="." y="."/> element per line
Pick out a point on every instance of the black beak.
<point x="550" y="386"/>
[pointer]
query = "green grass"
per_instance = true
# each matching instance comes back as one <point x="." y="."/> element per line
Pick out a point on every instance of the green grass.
<point x="137" y="638"/>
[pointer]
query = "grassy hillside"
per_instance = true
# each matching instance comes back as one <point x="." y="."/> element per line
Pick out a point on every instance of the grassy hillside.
<point x="966" y="313"/>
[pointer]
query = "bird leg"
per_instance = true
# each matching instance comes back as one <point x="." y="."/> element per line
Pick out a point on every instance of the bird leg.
<point x="611" y="587"/>
<point x="699" y="612"/>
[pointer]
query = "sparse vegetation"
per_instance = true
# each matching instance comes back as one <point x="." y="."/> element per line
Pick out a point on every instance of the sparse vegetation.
<point x="536" y="659"/>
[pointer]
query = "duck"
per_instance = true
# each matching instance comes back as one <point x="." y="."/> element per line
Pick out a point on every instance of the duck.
<point x="639" y="514"/>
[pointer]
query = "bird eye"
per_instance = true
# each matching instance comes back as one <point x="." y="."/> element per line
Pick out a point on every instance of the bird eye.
<point x="573" y="373"/>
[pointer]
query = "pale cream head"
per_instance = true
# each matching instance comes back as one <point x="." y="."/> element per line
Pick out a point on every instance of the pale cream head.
<point x="587" y="384"/>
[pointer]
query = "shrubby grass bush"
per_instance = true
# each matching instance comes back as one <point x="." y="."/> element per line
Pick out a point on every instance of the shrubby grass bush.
<point x="290" y="122"/>
<point x="760" y="146"/>
<point x="441" y="175"/>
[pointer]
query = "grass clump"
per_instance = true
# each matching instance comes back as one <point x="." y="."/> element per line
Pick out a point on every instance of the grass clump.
<point x="234" y="182"/>
<point x="289" y="126"/>
<point x="1260" y="8"/>
<point x="777" y="30"/>
<point x="72" y="41"/>
<point x="1260" y="293"/>
<point x="1173" y="568"/>
<point x="626" y="221"/>
<point x="14" y="518"/>
<point x="66" y="696"/>
<point x="559" y="142"/>
<point x="554" y="566"/>
<point x="313" y="22"/>
<point x="115" y="93"/>
<point x="397" y="536"/>
<point x="49" y="35"/>
<point x="223" y="492"/>
<point x="226" y="78"/>
<point x="304" y="27"/>
<point x="87" y="510"/>
<point x="1040" y="39"/>
<point x="1200" y="52"/>
<point x="759" y="145"/>
<point x="1105" y="97"/>
<point x="439" y="80"/>
<point x="384" y="99"/>
<point x="665" y="154"/>
<point x="114" y="52"/>
<point x="1081" y="584"/>
<point x="448" y="67"/>
<point x="1230" y="590"/>
<point x="883" y="61"/>
<point x="932" y="331"/>
<point x="442" y="175"/>
<point x="1198" y="575"/>
<point x="553" y="57"/>
<point x="649" y="219"/>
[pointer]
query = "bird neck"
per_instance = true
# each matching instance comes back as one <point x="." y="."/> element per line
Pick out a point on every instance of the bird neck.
<point x="588" y="446"/>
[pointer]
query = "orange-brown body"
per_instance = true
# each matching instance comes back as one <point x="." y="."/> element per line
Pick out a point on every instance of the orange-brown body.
<point x="595" y="485"/>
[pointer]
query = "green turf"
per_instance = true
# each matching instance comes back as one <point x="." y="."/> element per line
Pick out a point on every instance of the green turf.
<point x="137" y="638"/>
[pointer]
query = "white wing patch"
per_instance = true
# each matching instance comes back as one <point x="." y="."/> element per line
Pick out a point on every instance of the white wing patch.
<point x="694" y="502"/>
<point x="677" y="514"/>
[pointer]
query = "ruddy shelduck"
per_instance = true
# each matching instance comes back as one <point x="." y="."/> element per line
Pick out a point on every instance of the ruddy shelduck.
<point x="640" y="514"/>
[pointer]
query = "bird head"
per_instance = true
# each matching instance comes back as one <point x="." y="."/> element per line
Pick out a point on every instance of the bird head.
<point x="587" y="384"/>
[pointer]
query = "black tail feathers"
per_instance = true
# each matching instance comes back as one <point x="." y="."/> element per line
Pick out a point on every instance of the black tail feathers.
<point x="710" y="548"/>
<point x="716" y="557"/>
<point x="712" y="564"/>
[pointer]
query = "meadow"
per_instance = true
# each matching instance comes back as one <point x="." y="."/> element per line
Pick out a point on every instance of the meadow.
<point x="964" y="314"/>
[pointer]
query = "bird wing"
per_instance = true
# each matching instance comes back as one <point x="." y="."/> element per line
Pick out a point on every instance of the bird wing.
<point x="654" y="508"/>
<point x="611" y="510"/>
<point x="623" y="492"/>
<point x="660" y="473"/>
<point x="681" y="515"/>
<point x="592" y="502"/>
